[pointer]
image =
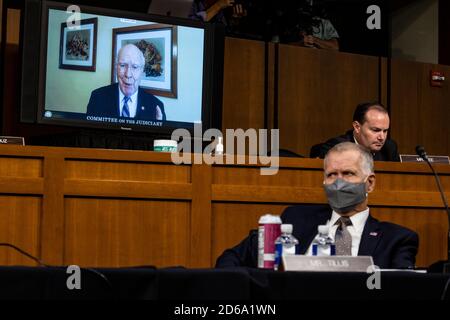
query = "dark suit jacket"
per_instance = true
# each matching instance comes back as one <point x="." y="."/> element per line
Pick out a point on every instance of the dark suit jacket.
<point x="104" y="102"/>
<point x="389" y="151"/>
<point x="390" y="245"/>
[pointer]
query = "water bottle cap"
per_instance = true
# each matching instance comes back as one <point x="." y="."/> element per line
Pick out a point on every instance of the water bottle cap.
<point x="323" y="229"/>
<point x="286" y="228"/>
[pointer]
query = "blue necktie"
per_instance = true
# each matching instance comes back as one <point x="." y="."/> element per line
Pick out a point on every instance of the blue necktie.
<point x="125" y="110"/>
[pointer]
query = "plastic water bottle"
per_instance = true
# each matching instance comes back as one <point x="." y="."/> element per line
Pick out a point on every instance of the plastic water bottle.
<point x="323" y="245"/>
<point x="219" y="147"/>
<point x="285" y="244"/>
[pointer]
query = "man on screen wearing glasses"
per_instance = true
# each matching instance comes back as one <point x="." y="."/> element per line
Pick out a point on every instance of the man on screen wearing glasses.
<point x="125" y="99"/>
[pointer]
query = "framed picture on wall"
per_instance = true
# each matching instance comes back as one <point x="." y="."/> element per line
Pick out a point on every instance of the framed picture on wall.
<point x="78" y="45"/>
<point x="158" y="43"/>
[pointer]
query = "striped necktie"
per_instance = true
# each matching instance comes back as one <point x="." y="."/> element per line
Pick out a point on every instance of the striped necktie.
<point x="125" y="109"/>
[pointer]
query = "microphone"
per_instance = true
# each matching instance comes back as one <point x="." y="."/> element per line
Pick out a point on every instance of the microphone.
<point x="42" y="264"/>
<point x="23" y="252"/>
<point x="421" y="153"/>
<point x="420" y="150"/>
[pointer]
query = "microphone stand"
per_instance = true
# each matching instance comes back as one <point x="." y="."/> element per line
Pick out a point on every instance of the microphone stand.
<point x="444" y="266"/>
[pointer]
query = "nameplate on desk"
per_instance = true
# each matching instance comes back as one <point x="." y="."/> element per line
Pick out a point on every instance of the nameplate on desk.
<point x="416" y="158"/>
<point x="12" y="140"/>
<point x="327" y="263"/>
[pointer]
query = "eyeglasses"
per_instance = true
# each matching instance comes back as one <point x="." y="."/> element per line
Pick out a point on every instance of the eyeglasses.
<point x="134" y="68"/>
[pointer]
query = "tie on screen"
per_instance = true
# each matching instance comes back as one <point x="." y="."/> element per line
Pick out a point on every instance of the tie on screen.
<point x="343" y="238"/>
<point x="125" y="109"/>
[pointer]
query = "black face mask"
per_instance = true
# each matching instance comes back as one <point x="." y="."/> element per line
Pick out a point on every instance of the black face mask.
<point x="343" y="196"/>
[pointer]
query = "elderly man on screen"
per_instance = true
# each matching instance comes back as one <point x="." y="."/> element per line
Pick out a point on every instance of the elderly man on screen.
<point x="126" y="99"/>
<point x="348" y="178"/>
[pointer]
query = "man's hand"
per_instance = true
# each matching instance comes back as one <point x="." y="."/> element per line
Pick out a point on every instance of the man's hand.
<point x="308" y="40"/>
<point x="159" y="115"/>
<point x="225" y="3"/>
<point x="314" y="42"/>
<point x="239" y="11"/>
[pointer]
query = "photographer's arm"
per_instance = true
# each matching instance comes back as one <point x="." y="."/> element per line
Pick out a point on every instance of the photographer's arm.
<point x="331" y="44"/>
<point x="216" y="7"/>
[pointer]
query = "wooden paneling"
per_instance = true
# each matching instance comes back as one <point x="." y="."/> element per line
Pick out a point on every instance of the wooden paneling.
<point x="384" y="77"/>
<point x="20" y="167"/>
<point x="251" y="176"/>
<point x="430" y="224"/>
<point x="126" y="171"/>
<point x="52" y="227"/>
<point x="127" y="189"/>
<point x="243" y="84"/>
<point x="117" y="233"/>
<point x="420" y="113"/>
<point x="12" y="26"/>
<point x="20" y="218"/>
<point x="318" y="92"/>
<point x="22" y="185"/>
<point x="271" y="83"/>
<point x="201" y="233"/>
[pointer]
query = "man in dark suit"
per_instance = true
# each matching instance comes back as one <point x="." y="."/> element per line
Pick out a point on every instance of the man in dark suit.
<point x="370" y="128"/>
<point x="348" y="178"/>
<point x="126" y="99"/>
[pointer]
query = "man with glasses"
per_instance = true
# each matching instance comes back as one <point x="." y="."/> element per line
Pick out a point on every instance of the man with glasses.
<point x="125" y="99"/>
<point x="370" y="129"/>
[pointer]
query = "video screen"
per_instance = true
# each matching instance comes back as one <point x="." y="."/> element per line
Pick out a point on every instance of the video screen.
<point x="113" y="71"/>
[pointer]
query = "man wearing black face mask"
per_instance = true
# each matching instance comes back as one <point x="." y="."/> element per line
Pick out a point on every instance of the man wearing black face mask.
<point x="348" y="179"/>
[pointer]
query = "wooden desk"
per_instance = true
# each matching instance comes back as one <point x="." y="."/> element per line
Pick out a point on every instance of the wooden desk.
<point x="111" y="208"/>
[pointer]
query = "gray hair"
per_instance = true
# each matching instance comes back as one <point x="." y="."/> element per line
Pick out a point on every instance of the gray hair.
<point x="366" y="163"/>
<point x="138" y="51"/>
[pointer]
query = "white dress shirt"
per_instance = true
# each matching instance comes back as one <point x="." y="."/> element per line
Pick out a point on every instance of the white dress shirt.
<point x="356" y="229"/>
<point x="132" y="103"/>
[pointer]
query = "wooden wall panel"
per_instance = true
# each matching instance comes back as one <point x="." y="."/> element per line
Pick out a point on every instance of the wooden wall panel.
<point x="318" y="92"/>
<point x="420" y="113"/>
<point x="20" y="219"/>
<point x="115" y="233"/>
<point x="430" y="224"/>
<point x="52" y="228"/>
<point x="127" y="171"/>
<point x="243" y="84"/>
<point x="201" y="233"/>
<point x="251" y="176"/>
<point x="21" y="167"/>
<point x="408" y="181"/>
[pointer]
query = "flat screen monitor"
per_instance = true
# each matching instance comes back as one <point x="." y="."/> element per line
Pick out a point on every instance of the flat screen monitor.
<point x="95" y="67"/>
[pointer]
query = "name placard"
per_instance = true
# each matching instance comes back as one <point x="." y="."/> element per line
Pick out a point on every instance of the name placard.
<point x="12" y="140"/>
<point x="416" y="158"/>
<point x="327" y="263"/>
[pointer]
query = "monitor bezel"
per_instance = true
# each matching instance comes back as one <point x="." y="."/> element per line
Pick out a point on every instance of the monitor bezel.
<point x="212" y="74"/>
